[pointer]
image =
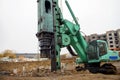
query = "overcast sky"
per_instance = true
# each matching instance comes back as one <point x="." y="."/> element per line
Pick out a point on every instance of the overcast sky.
<point x="18" y="20"/>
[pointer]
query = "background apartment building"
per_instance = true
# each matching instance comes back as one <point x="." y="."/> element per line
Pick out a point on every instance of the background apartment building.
<point x="111" y="37"/>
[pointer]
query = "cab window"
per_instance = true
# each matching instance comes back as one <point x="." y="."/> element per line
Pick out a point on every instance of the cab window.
<point x="102" y="48"/>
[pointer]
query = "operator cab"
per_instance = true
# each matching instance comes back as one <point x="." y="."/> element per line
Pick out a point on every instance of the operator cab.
<point x="96" y="49"/>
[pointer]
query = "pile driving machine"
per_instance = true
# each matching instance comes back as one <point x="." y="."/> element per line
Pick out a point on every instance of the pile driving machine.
<point x="55" y="32"/>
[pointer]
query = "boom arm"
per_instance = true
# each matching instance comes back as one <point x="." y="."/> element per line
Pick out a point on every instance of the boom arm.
<point x="77" y="40"/>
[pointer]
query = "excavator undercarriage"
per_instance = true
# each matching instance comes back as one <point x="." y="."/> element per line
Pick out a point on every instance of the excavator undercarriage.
<point x="106" y="68"/>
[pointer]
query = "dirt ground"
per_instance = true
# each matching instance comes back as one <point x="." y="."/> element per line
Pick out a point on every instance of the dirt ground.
<point x="83" y="76"/>
<point x="68" y="73"/>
